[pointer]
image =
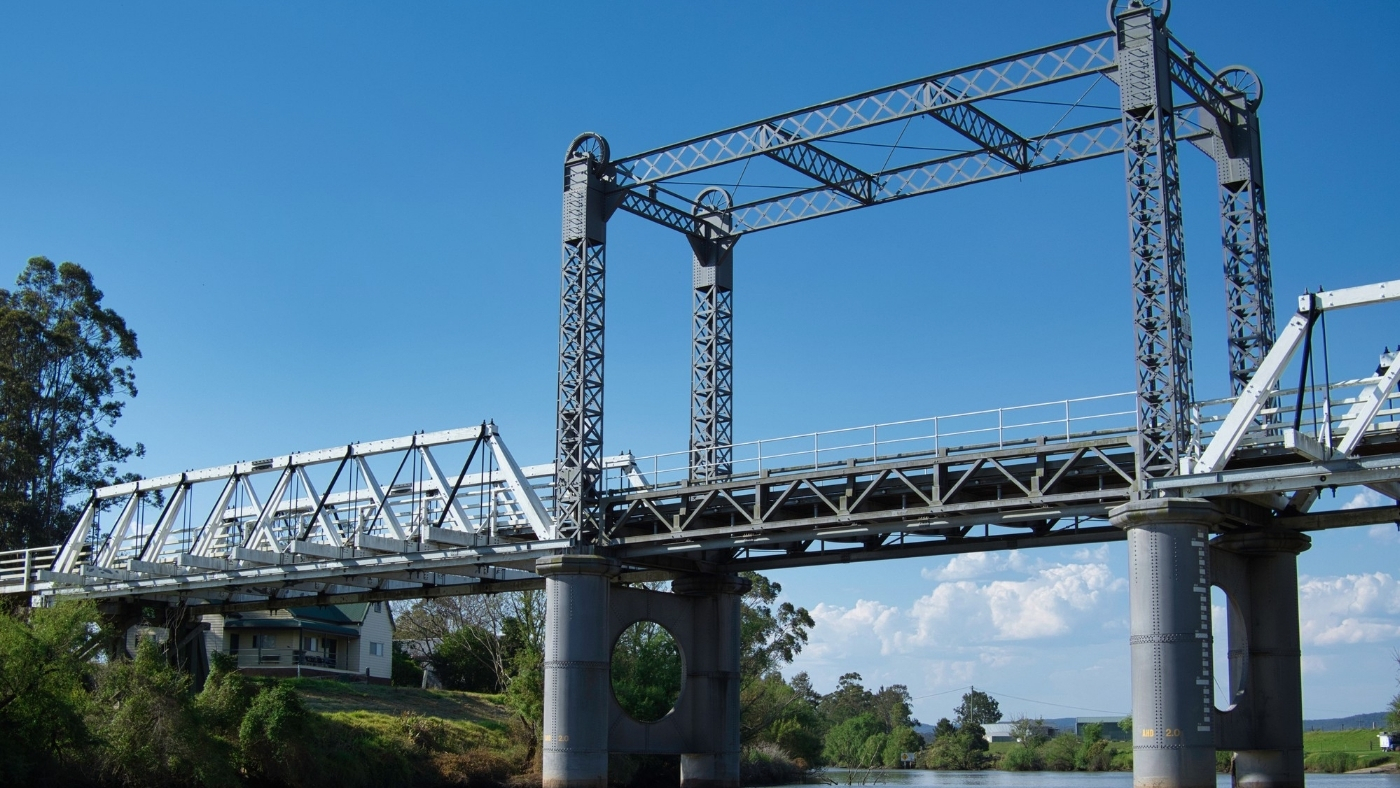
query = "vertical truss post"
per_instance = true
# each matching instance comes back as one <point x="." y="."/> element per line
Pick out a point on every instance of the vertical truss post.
<point x="1161" y="322"/>
<point x="1249" y="297"/>
<point x="579" y="435"/>
<point x="712" y="341"/>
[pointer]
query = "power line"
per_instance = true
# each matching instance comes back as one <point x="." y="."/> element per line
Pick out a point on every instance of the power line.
<point x="1015" y="697"/>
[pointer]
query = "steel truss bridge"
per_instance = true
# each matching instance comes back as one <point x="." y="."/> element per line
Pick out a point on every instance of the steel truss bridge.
<point x="1206" y="491"/>
<point x="323" y="527"/>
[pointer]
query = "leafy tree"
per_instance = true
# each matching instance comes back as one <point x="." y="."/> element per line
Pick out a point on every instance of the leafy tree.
<point x="525" y="692"/>
<point x="1028" y="732"/>
<point x="405" y="672"/>
<point x="771" y="635"/>
<point x="849" y="699"/>
<point x="64" y="381"/>
<point x="1126" y="725"/>
<point x="1059" y="753"/>
<point x="43" y="672"/>
<point x="797" y="726"/>
<point x="800" y="738"/>
<point x="978" y="707"/>
<point x="944" y="727"/>
<point x="900" y="740"/>
<point x="1093" y="754"/>
<point x="143" y="715"/>
<point x="465" y="659"/>
<point x="964" y="749"/>
<point x="646" y="671"/>
<point x="857" y="742"/>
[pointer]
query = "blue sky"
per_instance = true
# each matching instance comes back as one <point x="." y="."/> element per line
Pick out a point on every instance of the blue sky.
<point x="337" y="222"/>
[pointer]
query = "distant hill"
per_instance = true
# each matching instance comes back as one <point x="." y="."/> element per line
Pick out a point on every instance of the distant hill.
<point x="1373" y="720"/>
<point x="1060" y="724"/>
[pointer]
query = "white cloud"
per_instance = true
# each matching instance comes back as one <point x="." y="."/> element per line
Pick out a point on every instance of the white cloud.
<point x="1051" y="601"/>
<point x="1385" y="533"/>
<point x="1313" y="665"/>
<point x="1365" y="498"/>
<point x="1361" y="608"/>
<point x="973" y="565"/>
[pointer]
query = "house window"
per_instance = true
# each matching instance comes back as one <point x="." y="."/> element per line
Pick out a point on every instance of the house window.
<point x="264" y="641"/>
<point x="311" y="644"/>
<point x="378" y="607"/>
<point x="376" y="649"/>
<point x="233" y="643"/>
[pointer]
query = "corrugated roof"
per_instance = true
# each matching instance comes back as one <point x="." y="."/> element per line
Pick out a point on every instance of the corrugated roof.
<point x="334" y="614"/>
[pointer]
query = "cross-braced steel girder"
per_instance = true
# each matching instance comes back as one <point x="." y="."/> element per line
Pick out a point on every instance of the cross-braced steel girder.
<point x="1217" y="111"/>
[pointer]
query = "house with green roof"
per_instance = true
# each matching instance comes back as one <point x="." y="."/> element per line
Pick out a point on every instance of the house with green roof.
<point x="348" y="641"/>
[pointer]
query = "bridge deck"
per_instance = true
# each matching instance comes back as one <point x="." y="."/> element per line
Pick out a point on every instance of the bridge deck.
<point x="990" y="480"/>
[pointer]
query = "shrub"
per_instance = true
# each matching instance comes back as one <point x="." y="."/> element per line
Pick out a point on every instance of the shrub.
<point x="145" y="720"/>
<point x="768" y="764"/>
<point x="227" y="693"/>
<point x="405" y="672"/>
<point x="272" y="733"/>
<point x="1330" y="762"/>
<point x="43" y="671"/>
<point x="1058" y="753"/>
<point x="1020" y="758"/>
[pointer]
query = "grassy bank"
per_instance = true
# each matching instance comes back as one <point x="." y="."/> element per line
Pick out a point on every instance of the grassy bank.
<point x="1341" y="751"/>
<point x="373" y="735"/>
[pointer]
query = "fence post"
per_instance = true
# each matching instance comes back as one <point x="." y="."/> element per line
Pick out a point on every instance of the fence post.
<point x="28" y="569"/>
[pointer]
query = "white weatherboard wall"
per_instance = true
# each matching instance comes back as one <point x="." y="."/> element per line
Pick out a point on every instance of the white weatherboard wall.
<point x="376" y="629"/>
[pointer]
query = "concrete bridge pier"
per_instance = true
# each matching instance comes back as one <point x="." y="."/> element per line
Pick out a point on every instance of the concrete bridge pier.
<point x="577" y="658"/>
<point x="712" y="680"/>
<point x="583" y="723"/>
<point x="1263" y="725"/>
<point x="1169" y="588"/>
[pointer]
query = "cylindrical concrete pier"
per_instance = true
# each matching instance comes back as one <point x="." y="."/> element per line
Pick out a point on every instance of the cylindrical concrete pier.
<point x="713" y="675"/>
<point x="1170" y="640"/>
<point x="577" y="660"/>
<point x="1273" y="683"/>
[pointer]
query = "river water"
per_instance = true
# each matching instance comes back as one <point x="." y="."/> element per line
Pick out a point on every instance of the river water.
<point x="999" y="779"/>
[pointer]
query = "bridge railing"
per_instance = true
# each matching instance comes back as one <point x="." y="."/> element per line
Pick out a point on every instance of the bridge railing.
<point x="1322" y="413"/>
<point x="1059" y="420"/>
<point x="20" y="568"/>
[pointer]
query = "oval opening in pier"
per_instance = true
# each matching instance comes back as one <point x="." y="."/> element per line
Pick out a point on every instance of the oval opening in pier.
<point x="1231" y="661"/>
<point x="646" y="671"/>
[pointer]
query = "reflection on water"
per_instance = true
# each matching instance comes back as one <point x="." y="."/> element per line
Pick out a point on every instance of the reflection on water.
<point x="997" y="779"/>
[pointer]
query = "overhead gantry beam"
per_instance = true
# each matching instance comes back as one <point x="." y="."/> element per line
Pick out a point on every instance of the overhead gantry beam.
<point x="987" y="131"/>
<point x="924" y="96"/>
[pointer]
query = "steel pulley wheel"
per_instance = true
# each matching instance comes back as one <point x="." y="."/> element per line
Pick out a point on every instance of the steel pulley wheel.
<point x="1240" y="81"/>
<point x="712" y="201"/>
<point x="1116" y="7"/>
<point x="588" y="144"/>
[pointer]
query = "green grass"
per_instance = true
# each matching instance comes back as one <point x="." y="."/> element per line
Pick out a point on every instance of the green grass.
<point x="342" y="697"/>
<point x="1359" y="741"/>
<point x="1342" y="751"/>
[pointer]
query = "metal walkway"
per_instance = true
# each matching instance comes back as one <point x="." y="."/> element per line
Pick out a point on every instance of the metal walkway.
<point x="321" y="526"/>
